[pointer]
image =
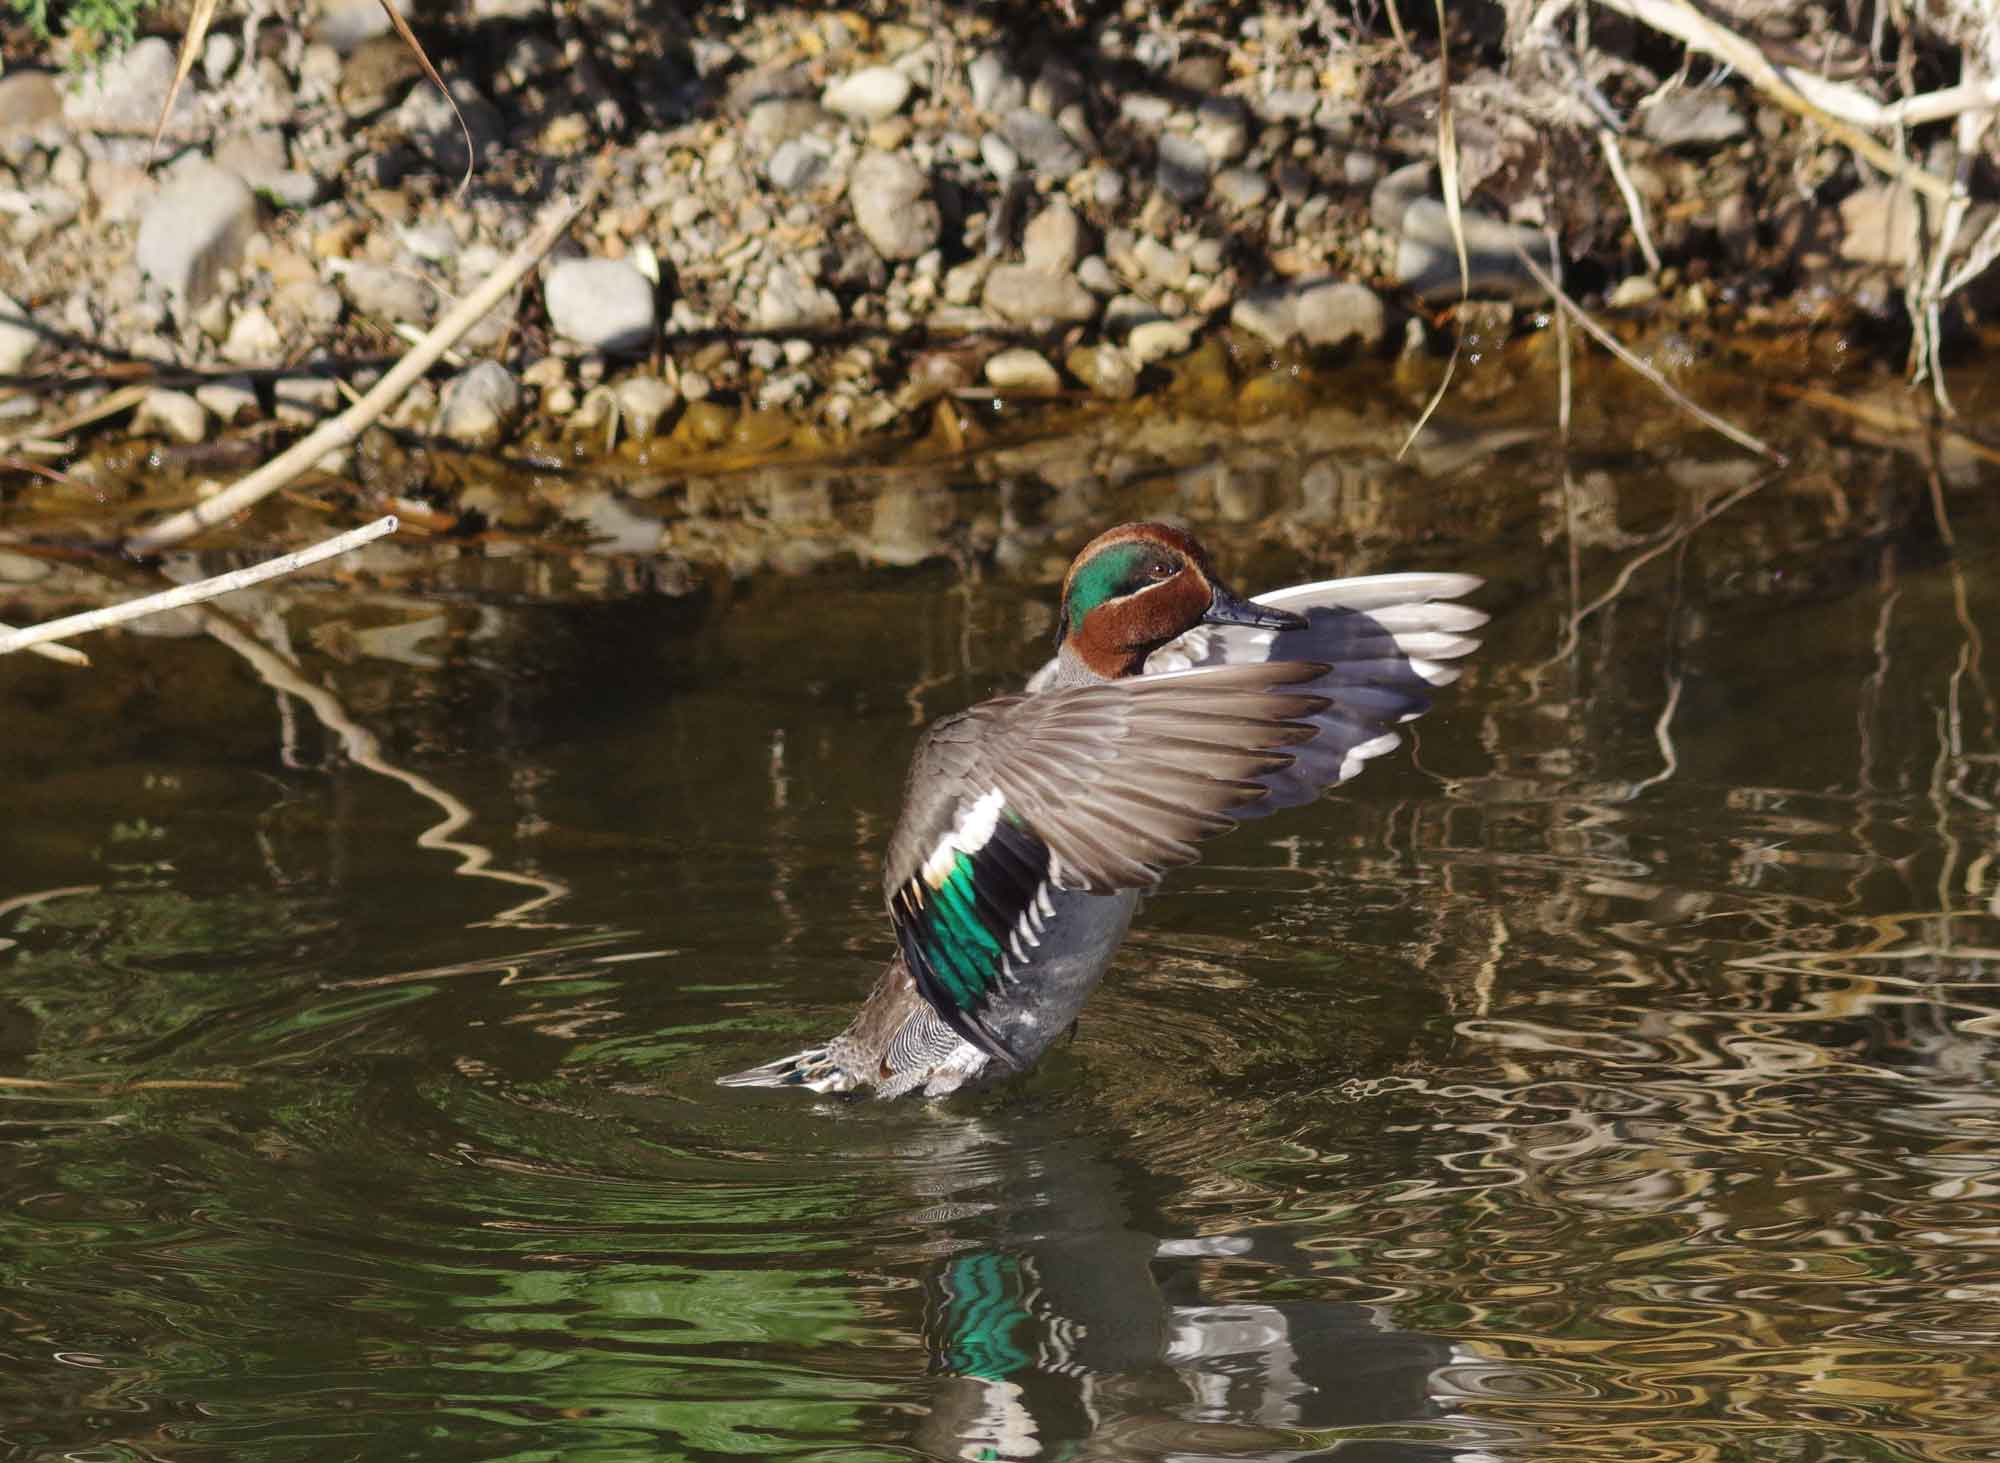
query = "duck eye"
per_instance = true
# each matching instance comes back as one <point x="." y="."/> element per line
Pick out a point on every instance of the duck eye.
<point x="1158" y="570"/>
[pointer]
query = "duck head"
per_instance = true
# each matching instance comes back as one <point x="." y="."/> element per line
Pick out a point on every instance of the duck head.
<point x="1137" y="586"/>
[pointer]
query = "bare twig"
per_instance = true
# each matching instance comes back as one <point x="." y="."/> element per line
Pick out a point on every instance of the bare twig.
<point x="61" y="654"/>
<point x="341" y="431"/>
<point x="188" y="594"/>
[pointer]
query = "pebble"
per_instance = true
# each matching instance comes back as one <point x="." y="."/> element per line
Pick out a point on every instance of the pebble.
<point x="868" y="95"/>
<point x="1028" y="296"/>
<point x="195" y="228"/>
<point x="1022" y="369"/>
<point x="1095" y="275"/>
<point x="1162" y="265"/>
<point x="1144" y="110"/>
<point x="1320" y="312"/>
<point x="1878" y="225"/>
<point x="1042" y="145"/>
<point x="999" y="156"/>
<point x="601" y="304"/>
<point x="479" y="407"/>
<point x="394" y="295"/>
<point x="173" y="414"/>
<point x="796" y="165"/>
<point x="1106" y="370"/>
<point x="1692" y="119"/>
<point x="1241" y="188"/>
<point x="1182" y="170"/>
<point x="779" y="119"/>
<point x="1222" y="129"/>
<point x="995" y="88"/>
<point x="645" y="402"/>
<point x="18" y="338"/>
<point x="1159" y="340"/>
<point x="28" y="100"/>
<point x="258" y="158"/>
<point x="126" y="92"/>
<point x="229" y="401"/>
<point x="789" y="301"/>
<point x="892" y="206"/>
<point x="308" y="400"/>
<point x="1054" y="238"/>
<point x="253" y="339"/>
<point x="1393" y="195"/>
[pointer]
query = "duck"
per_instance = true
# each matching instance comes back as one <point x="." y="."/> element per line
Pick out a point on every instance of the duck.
<point x="1032" y="824"/>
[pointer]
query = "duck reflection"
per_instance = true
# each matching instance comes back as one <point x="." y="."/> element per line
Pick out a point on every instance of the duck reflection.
<point x="1063" y="1327"/>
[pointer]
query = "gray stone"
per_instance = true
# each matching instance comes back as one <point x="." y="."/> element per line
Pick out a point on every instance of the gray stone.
<point x="386" y="294"/>
<point x="1182" y="170"/>
<point x="1360" y="168"/>
<point x="1054" y="238"/>
<point x="995" y="88"/>
<point x="253" y="339"/>
<point x="1145" y="110"/>
<point x="1392" y="197"/>
<point x="345" y="24"/>
<point x="797" y="164"/>
<point x="1029" y="296"/>
<point x="1241" y="188"/>
<point x="1427" y="260"/>
<point x="788" y="301"/>
<point x="1878" y="225"/>
<point x="602" y="304"/>
<point x="1022" y="369"/>
<point x="892" y="205"/>
<point x="28" y="100"/>
<point x="258" y="158"/>
<point x="1692" y="119"/>
<point x="1043" y="145"/>
<point x="173" y="414"/>
<point x="779" y="119"/>
<point x="480" y="406"/>
<point x="999" y="156"/>
<point x="1337" y="312"/>
<point x="18" y="337"/>
<point x="1286" y="105"/>
<point x="1095" y="275"/>
<point x="868" y="95"/>
<point x="125" y="94"/>
<point x="1222" y="129"/>
<point x="219" y="55"/>
<point x="195" y="228"/>
<point x="643" y="402"/>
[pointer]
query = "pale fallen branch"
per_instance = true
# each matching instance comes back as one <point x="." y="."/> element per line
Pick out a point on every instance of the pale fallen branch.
<point x="1610" y="342"/>
<point x="62" y="654"/>
<point x="187" y="594"/>
<point x="341" y="431"/>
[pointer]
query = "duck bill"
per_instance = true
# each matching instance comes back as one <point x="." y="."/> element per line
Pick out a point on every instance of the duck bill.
<point x="1226" y="609"/>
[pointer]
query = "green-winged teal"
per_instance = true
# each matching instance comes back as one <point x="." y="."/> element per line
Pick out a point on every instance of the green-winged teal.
<point x="1171" y="711"/>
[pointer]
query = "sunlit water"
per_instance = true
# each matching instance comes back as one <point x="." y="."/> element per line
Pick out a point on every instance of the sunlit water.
<point x="1613" y="1074"/>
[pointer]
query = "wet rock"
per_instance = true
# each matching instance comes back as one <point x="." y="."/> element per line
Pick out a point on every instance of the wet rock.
<point x="1054" y="239"/>
<point x="386" y="294"/>
<point x="1160" y="340"/>
<point x="125" y="94"/>
<point x="1042" y="145"/>
<point x="479" y="407"/>
<point x="1427" y="261"/>
<point x="995" y="87"/>
<point x="1021" y="369"/>
<point x="892" y="205"/>
<point x="601" y="304"/>
<point x="1106" y="370"/>
<point x="1027" y="295"/>
<point x="644" y="401"/>
<point x="798" y="163"/>
<point x="1241" y="188"/>
<point x="195" y="228"/>
<point x="868" y="95"/>
<point x="999" y="156"/>
<point x="1160" y="264"/>
<point x="1182" y="169"/>
<point x="172" y="414"/>
<point x="29" y="100"/>
<point x="18" y="337"/>
<point x="1319" y="312"/>
<point x="1692" y="119"/>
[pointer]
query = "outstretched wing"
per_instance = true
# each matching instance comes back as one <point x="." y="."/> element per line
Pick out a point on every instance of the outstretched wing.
<point x="1097" y="788"/>
<point x="1387" y="642"/>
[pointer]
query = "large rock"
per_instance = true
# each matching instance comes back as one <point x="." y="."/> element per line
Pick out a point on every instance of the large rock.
<point x="28" y="100"/>
<point x="195" y="227"/>
<point x="1320" y="312"/>
<point x="1427" y="260"/>
<point x="126" y="93"/>
<point x="1029" y="296"/>
<point x="602" y="304"/>
<point x="480" y="406"/>
<point x="892" y="205"/>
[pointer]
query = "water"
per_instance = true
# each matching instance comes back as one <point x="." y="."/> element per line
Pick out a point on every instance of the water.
<point x="1614" y="1074"/>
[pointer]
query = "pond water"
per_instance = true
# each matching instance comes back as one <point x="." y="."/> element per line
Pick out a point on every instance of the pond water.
<point x="1610" y="1073"/>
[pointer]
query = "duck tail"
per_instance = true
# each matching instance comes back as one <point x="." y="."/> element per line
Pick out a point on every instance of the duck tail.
<point x="816" y="1069"/>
